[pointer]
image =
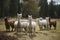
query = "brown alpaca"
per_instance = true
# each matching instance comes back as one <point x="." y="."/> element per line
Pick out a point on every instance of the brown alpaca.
<point x="9" y="23"/>
<point x="6" y="24"/>
<point x="52" y="23"/>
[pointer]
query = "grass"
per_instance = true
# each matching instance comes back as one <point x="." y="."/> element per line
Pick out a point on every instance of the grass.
<point x="2" y="26"/>
<point x="57" y="31"/>
<point x="58" y="26"/>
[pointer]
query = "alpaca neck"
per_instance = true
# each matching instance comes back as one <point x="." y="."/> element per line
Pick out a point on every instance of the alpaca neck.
<point x="30" y="22"/>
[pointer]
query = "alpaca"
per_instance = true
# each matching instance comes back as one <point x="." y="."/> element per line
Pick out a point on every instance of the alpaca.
<point x="9" y="23"/>
<point x="6" y="24"/>
<point x="52" y="23"/>
<point x="25" y="24"/>
<point x="43" y="23"/>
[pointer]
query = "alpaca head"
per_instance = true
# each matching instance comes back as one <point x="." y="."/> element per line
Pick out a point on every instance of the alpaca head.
<point x="19" y="16"/>
<point x="5" y="18"/>
<point x="48" y="19"/>
<point x="30" y="17"/>
<point x="40" y="18"/>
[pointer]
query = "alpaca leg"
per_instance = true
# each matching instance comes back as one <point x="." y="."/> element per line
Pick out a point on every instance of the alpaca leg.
<point x="54" y="27"/>
<point x="47" y="27"/>
<point x="44" y="26"/>
<point x="50" y="27"/>
<point x="8" y="29"/>
<point x="25" y="30"/>
<point x="34" y="30"/>
<point x="40" y="27"/>
<point x="30" y="31"/>
<point x="12" y="26"/>
<point x="16" y="29"/>
<point x="11" y="29"/>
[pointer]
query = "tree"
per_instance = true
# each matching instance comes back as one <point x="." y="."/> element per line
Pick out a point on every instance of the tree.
<point x="30" y="7"/>
<point x="58" y="10"/>
<point x="6" y="7"/>
<point x="9" y="7"/>
<point x="1" y="8"/>
<point x="43" y="8"/>
<point x="51" y="9"/>
<point x="4" y="4"/>
<point x="13" y="8"/>
<point x="19" y="6"/>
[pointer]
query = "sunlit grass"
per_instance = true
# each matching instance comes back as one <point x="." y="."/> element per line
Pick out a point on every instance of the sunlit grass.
<point x="58" y="26"/>
<point x="2" y="26"/>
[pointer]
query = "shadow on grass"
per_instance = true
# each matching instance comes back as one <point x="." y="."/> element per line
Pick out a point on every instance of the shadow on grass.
<point x="4" y="36"/>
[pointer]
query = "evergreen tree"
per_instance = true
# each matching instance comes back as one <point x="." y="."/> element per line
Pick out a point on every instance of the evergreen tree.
<point x="43" y="8"/>
<point x="51" y="9"/>
<point x="6" y="7"/>
<point x="13" y="9"/>
<point x="1" y="8"/>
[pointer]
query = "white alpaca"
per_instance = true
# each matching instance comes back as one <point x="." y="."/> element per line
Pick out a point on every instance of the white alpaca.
<point x="43" y="22"/>
<point x="25" y="24"/>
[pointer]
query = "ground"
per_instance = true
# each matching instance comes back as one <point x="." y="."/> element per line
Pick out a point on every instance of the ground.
<point x="39" y="35"/>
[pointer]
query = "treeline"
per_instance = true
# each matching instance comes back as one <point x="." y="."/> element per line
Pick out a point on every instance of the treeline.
<point x="10" y="8"/>
<point x="51" y="10"/>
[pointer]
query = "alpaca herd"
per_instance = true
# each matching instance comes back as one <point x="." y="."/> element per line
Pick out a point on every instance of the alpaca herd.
<point x="29" y="25"/>
<point x="47" y="23"/>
